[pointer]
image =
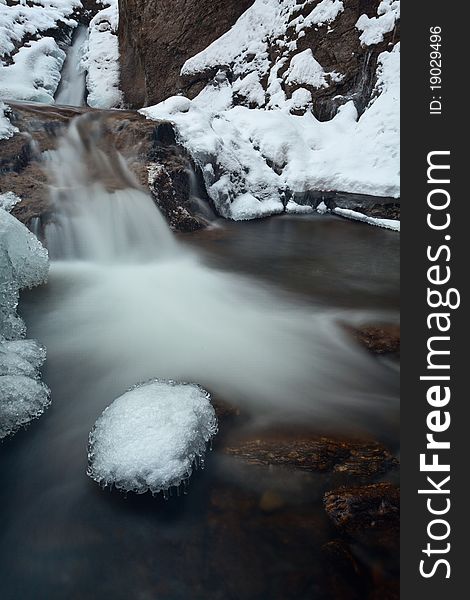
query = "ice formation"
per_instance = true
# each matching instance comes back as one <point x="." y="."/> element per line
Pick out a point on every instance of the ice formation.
<point x="150" y="438"/>
<point x="23" y="264"/>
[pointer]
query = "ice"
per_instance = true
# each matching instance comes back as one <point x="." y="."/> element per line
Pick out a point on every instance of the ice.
<point x="22" y="399"/>
<point x="23" y="263"/>
<point x="152" y="437"/>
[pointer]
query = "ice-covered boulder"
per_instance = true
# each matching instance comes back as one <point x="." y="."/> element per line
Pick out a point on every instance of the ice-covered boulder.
<point x="24" y="263"/>
<point x="152" y="437"/>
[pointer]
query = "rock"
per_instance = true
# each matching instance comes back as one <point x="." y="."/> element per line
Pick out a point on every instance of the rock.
<point x="356" y="509"/>
<point x="157" y="37"/>
<point x="378" y="339"/>
<point x="356" y="458"/>
<point x="149" y="147"/>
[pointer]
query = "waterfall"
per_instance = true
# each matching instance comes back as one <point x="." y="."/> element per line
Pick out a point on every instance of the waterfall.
<point x="128" y="302"/>
<point x="100" y="212"/>
<point x="72" y="85"/>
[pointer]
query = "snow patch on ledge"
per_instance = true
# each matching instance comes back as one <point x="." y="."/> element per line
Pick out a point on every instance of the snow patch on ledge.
<point x="150" y="438"/>
<point x="374" y="29"/>
<point x="357" y="216"/>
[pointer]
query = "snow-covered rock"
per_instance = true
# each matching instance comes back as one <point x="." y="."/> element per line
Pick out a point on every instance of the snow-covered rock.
<point x="253" y="160"/>
<point x="150" y="438"/>
<point x="23" y="263"/>
<point x="374" y="29"/>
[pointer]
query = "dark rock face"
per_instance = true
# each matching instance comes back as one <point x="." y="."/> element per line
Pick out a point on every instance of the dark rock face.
<point x="156" y="37"/>
<point x="128" y="133"/>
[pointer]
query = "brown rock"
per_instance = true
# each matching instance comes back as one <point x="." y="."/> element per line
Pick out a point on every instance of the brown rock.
<point x="148" y="147"/>
<point x="355" y="509"/>
<point x="156" y="37"/>
<point x="378" y="339"/>
<point x="357" y="458"/>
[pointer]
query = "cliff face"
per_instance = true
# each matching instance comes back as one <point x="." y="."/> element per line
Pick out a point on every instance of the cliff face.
<point x="156" y="37"/>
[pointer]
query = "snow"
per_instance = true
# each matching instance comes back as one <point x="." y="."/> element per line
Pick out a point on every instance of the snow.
<point x="27" y="20"/>
<point x="23" y="264"/>
<point x="35" y="72"/>
<point x="357" y="216"/>
<point x="31" y="64"/>
<point x="253" y="159"/>
<point x="150" y="438"/>
<point x="7" y="130"/>
<point x="246" y="51"/>
<point x="101" y="59"/>
<point x="324" y="13"/>
<point x="304" y="69"/>
<point x="374" y="29"/>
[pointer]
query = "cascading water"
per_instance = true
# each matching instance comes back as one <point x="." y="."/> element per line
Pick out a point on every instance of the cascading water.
<point x="126" y="303"/>
<point x="72" y="85"/>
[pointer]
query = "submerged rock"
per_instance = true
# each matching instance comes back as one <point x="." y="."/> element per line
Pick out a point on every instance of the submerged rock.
<point x="357" y="509"/>
<point x="378" y="339"/>
<point x="357" y="458"/>
<point x="152" y="437"/>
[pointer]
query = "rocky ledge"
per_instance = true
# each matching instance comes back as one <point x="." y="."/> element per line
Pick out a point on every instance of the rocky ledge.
<point x="150" y="149"/>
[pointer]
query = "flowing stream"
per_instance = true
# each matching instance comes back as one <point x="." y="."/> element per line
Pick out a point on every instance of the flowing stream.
<point x="127" y="301"/>
<point x="72" y="85"/>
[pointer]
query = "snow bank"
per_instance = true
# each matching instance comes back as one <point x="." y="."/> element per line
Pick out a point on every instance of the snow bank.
<point x="374" y="29"/>
<point x="150" y="438"/>
<point x="34" y="74"/>
<point x="254" y="159"/>
<point x="101" y="59"/>
<point x="23" y="264"/>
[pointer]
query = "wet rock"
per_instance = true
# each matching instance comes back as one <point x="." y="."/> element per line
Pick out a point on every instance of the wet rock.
<point x="357" y="509"/>
<point x="378" y="339"/>
<point x="156" y="160"/>
<point x="356" y="458"/>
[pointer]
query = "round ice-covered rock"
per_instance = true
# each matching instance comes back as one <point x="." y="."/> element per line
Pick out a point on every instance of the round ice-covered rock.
<point x="22" y="399"/>
<point x="150" y="438"/>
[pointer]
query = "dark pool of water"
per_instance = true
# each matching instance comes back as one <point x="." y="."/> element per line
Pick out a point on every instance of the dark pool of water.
<point x="64" y="538"/>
